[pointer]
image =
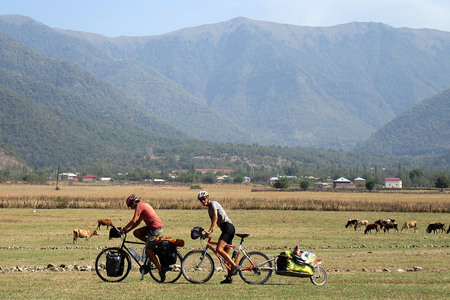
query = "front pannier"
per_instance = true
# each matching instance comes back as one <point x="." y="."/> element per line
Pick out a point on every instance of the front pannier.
<point x="114" y="264"/>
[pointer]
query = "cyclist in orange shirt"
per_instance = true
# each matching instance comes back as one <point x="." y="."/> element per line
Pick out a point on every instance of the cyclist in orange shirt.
<point x="150" y="232"/>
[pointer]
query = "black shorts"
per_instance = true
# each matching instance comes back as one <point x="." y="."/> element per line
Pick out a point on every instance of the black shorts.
<point x="228" y="232"/>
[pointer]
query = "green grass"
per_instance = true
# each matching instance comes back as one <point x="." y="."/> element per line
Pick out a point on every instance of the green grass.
<point x="86" y="285"/>
<point x="36" y="239"/>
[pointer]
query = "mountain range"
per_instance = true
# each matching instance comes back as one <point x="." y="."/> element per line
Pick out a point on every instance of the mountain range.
<point x="240" y="82"/>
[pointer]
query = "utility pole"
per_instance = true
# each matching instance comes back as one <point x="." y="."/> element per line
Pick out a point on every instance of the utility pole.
<point x="57" y="179"/>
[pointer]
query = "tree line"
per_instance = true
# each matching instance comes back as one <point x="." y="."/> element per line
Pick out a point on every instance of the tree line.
<point x="287" y="176"/>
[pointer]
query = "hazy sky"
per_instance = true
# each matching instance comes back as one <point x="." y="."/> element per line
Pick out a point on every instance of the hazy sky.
<point x="152" y="17"/>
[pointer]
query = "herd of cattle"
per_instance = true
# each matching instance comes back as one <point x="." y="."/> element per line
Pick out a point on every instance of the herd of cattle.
<point x="388" y="224"/>
<point x="87" y="233"/>
<point x="378" y="225"/>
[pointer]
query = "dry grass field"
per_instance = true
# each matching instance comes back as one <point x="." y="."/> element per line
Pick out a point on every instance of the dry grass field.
<point x="231" y="196"/>
<point x="358" y="265"/>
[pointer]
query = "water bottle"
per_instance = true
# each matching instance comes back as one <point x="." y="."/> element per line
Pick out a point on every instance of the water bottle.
<point x="144" y="257"/>
<point x="135" y="254"/>
<point x="234" y="254"/>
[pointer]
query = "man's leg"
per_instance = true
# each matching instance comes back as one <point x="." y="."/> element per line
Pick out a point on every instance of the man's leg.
<point x="224" y="252"/>
<point x="150" y="245"/>
<point x="139" y="235"/>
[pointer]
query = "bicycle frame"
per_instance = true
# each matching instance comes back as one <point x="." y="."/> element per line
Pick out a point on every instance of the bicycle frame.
<point x="127" y="249"/>
<point x="123" y="246"/>
<point x="239" y="249"/>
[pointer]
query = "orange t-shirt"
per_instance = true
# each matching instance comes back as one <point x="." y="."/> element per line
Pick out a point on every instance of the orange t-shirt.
<point x="148" y="214"/>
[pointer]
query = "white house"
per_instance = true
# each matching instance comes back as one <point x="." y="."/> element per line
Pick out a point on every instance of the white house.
<point x="393" y="183"/>
<point x="359" y="180"/>
<point x="70" y="176"/>
<point x="272" y="179"/>
<point x="343" y="182"/>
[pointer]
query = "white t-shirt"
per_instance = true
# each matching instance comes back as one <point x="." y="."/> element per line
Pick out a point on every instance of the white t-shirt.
<point x="222" y="215"/>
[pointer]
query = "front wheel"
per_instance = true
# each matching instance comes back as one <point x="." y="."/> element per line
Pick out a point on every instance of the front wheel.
<point x="173" y="272"/>
<point x="113" y="265"/>
<point x="319" y="276"/>
<point x="197" y="266"/>
<point x="255" y="268"/>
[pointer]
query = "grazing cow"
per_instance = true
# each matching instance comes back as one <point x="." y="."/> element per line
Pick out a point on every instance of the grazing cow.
<point x="361" y="223"/>
<point x="104" y="222"/>
<point x="448" y="230"/>
<point x="369" y="228"/>
<point x="382" y="222"/>
<point x="408" y="225"/>
<point x="388" y="226"/>
<point x="351" y="222"/>
<point x="435" y="227"/>
<point x="83" y="233"/>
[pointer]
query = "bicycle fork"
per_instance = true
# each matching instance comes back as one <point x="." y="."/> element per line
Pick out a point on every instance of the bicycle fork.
<point x="203" y="258"/>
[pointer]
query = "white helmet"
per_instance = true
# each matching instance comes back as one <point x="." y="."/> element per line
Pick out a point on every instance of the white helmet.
<point x="202" y="195"/>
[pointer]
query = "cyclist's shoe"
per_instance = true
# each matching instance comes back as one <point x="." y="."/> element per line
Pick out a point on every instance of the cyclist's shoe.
<point x="144" y="269"/>
<point x="162" y="274"/>
<point x="227" y="280"/>
<point x="234" y="270"/>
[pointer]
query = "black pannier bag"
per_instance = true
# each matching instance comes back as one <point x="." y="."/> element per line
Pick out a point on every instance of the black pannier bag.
<point x="114" y="264"/>
<point x="167" y="253"/>
<point x="282" y="261"/>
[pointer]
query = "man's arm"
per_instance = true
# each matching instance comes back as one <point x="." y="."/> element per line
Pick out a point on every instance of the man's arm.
<point x="132" y="224"/>
<point x="213" y="222"/>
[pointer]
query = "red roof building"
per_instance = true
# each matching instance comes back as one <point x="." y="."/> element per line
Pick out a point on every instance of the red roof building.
<point x="89" y="178"/>
<point x="393" y="183"/>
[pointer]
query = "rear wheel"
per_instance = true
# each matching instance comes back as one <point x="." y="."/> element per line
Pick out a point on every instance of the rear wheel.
<point x="197" y="266"/>
<point x="113" y="265"/>
<point x="172" y="274"/>
<point x="256" y="269"/>
<point x="319" y="276"/>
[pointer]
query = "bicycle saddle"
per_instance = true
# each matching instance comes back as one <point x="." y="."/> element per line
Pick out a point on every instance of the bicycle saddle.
<point x="242" y="235"/>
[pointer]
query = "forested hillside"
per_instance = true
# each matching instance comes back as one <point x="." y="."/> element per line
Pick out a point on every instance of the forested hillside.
<point x="258" y="82"/>
<point x="423" y="129"/>
<point x="77" y="99"/>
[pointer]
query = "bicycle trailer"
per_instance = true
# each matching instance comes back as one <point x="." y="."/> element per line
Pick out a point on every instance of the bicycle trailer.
<point x="288" y="264"/>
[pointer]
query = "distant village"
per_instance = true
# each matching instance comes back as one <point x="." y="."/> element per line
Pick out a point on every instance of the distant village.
<point x="339" y="183"/>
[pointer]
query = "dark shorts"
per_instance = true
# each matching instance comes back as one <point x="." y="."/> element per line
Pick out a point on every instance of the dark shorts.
<point x="228" y="232"/>
<point x="152" y="235"/>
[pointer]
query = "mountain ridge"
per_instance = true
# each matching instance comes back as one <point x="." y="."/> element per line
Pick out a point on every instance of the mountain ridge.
<point x="250" y="82"/>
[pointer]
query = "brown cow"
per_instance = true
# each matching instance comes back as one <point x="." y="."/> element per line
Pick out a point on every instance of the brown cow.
<point x="435" y="227"/>
<point x="83" y="233"/>
<point x="369" y="228"/>
<point x="408" y="225"/>
<point x="382" y="222"/>
<point x="104" y="222"/>
<point x="388" y="226"/>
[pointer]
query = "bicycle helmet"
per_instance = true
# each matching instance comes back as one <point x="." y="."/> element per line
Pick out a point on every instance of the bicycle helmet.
<point x="196" y="232"/>
<point x="130" y="199"/>
<point x="202" y="195"/>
